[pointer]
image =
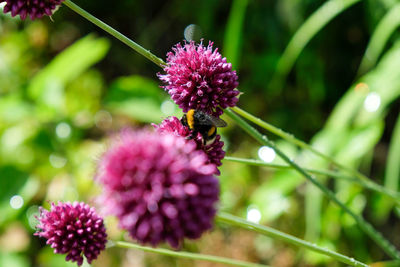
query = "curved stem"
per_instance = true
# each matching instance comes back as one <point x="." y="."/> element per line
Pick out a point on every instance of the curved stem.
<point x="372" y="186"/>
<point x="236" y="221"/>
<point x="256" y="162"/>
<point x="387" y="25"/>
<point x="364" y="225"/>
<point x="186" y="255"/>
<point x="292" y="139"/>
<point x="115" y="33"/>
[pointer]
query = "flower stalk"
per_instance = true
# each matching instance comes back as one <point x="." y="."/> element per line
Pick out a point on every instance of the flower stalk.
<point x="138" y="48"/>
<point x="371" y="186"/>
<point x="364" y="225"/>
<point x="362" y="179"/>
<point x="236" y="221"/>
<point x="187" y="255"/>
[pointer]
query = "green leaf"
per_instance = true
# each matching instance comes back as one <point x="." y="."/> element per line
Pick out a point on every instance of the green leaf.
<point x="13" y="109"/>
<point x="233" y="33"/>
<point x="12" y="180"/>
<point x="360" y="141"/>
<point x="13" y="259"/>
<point x="47" y="87"/>
<point x="15" y="182"/>
<point x="137" y="97"/>
<point x="47" y="258"/>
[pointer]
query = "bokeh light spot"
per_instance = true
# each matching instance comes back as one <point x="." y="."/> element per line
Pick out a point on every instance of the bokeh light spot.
<point x="30" y="214"/>
<point x="57" y="161"/>
<point x="192" y="32"/>
<point x="266" y="154"/>
<point x="362" y="88"/>
<point x="16" y="202"/>
<point x="63" y="130"/>
<point x="372" y="102"/>
<point x="253" y="214"/>
<point x="167" y="107"/>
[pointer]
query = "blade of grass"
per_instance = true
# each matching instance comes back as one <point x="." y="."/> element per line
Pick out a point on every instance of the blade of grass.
<point x="388" y="24"/>
<point x="233" y="33"/>
<point x="256" y="162"/>
<point x="185" y="255"/>
<point x="333" y="174"/>
<point x="384" y="244"/>
<point x="236" y="221"/>
<point x="292" y="139"/>
<point x="304" y="34"/>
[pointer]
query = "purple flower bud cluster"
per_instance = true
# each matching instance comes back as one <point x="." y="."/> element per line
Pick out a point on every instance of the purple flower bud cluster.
<point x="199" y="78"/>
<point x="214" y="150"/>
<point x="73" y="229"/>
<point x="160" y="187"/>
<point x="32" y="8"/>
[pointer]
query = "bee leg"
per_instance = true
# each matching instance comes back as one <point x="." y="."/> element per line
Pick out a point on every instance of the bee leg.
<point x="205" y="138"/>
<point x="192" y="135"/>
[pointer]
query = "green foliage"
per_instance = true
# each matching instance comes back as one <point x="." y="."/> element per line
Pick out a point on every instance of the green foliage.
<point x="137" y="97"/>
<point x="63" y="91"/>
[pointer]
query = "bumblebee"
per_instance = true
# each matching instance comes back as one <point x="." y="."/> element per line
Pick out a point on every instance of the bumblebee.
<point x="203" y="123"/>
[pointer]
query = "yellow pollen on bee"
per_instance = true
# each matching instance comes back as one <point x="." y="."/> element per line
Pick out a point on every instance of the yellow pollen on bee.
<point x="211" y="131"/>
<point x="190" y="118"/>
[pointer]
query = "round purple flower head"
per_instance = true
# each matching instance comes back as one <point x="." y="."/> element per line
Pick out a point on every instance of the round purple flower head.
<point x="159" y="186"/>
<point x="32" y="8"/>
<point x="200" y="78"/>
<point x="73" y="229"/>
<point x="214" y="150"/>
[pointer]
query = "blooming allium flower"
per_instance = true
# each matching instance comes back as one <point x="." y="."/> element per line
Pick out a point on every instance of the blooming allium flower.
<point x="159" y="186"/>
<point x="73" y="229"/>
<point x="214" y="150"/>
<point x="200" y="78"/>
<point x="32" y="8"/>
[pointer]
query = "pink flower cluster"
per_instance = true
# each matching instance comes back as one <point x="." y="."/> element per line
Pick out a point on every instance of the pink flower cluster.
<point x="214" y="150"/>
<point x="73" y="229"/>
<point x="32" y="8"/>
<point x="159" y="186"/>
<point x="198" y="77"/>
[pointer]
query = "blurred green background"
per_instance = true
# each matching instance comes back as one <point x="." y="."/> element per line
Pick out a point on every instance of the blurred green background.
<point x="65" y="86"/>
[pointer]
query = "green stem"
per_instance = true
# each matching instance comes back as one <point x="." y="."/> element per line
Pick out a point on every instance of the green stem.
<point x="255" y="162"/>
<point x="303" y="35"/>
<point x="387" y="25"/>
<point x="236" y="221"/>
<point x="186" y="255"/>
<point x="364" y="225"/>
<point x="115" y="33"/>
<point x="292" y="139"/>
<point x="334" y="174"/>
<point x="392" y="171"/>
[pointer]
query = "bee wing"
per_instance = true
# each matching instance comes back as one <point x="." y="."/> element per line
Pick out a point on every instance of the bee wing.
<point x="218" y="122"/>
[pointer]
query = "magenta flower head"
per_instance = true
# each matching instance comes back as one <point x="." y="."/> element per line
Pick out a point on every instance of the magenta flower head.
<point x="214" y="150"/>
<point x="32" y="8"/>
<point x="199" y="78"/>
<point x="159" y="186"/>
<point x="73" y="229"/>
